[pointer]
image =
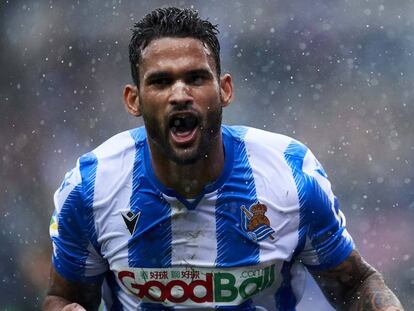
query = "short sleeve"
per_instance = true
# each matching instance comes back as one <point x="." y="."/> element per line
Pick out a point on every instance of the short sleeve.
<point x="75" y="249"/>
<point x="324" y="241"/>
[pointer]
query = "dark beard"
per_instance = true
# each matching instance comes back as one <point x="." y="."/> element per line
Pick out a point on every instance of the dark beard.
<point x="209" y="131"/>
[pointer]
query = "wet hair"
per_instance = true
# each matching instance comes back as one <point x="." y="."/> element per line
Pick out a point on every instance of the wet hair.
<point x="171" y="22"/>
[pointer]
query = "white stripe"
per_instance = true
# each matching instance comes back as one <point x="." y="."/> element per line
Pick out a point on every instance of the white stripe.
<point x="71" y="180"/>
<point x="194" y="232"/>
<point x="113" y="188"/>
<point x="276" y="188"/>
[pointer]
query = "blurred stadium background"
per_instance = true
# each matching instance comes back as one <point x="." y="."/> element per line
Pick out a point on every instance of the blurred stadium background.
<point x="337" y="75"/>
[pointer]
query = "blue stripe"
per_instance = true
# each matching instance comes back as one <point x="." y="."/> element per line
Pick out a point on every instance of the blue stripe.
<point x="154" y="307"/>
<point x="88" y="164"/>
<point x="77" y="226"/>
<point x="245" y="306"/>
<point x="234" y="248"/>
<point x="317" y="219"/>
<point x="72" y="242"/>
<point x="285" y="298"/>
<point x="150" y="245"/>
<point x="294" y="155"/>
<point x="115" y="289"/>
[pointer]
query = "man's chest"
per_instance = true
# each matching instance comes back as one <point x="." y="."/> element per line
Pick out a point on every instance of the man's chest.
<point x="219" y="231"/>
<point x="224" y="251"/>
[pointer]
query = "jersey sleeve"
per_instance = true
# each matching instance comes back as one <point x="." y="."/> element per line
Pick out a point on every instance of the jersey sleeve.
<point x="324" y="241"/>
<point x="76" y="253"/>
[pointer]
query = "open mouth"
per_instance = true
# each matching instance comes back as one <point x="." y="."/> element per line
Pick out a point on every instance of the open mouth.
<point x="183" y="127"/>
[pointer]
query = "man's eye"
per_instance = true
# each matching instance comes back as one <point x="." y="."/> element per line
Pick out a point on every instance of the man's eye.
<point x="197" y="79"/>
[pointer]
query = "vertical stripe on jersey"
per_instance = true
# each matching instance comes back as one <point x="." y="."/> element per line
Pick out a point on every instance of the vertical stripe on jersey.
<point x="150" y="245"/>
<point x="88" y="164"/>
<point x="245" y="306"/>
<point x="76" y="225"/>
<point x="146" y="306"/>
<point x="114" y="289"/>
<point x="285" y="298"/>
<point x="234" y="247"/>
<point x="71" y="243"/>
<point x="318" y="220"/>
<point x="294" y="155"/>
<point x="315" y="217"/>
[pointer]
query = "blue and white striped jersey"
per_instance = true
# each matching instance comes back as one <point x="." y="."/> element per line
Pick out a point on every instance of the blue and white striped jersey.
<point x="242" y="244"/>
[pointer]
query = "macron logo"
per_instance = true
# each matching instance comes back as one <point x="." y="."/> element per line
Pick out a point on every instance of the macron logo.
<point x="131" y="220"/>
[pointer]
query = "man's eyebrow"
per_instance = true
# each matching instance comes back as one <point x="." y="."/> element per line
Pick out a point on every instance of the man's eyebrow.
<point x="200" y="71"/>
<point x="205" y="73"/>
<point x="156" y="75"/>
<point x="166" y="74"/>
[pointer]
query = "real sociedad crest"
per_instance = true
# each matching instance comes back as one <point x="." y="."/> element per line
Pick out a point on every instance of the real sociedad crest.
<point x="255" y="223"/>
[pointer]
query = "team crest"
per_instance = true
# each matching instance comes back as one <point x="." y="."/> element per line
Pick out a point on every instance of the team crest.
<point x="255" y="223"/>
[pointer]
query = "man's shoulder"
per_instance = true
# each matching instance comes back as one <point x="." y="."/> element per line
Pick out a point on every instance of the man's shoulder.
<point x="114" y="150"/>
<point x="259" y="138"/>
<point x="121" y="143"/>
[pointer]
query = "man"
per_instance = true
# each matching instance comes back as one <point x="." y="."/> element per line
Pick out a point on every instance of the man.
<point x="186" y="213"/>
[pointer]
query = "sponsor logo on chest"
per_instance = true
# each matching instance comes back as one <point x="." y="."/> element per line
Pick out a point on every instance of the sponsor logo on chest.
<point x="193" y="286"/>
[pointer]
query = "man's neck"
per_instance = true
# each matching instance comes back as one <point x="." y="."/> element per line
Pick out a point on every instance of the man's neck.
<point x="190" y="179"/>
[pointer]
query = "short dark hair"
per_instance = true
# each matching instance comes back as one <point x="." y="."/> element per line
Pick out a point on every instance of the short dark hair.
<point x="171" y="22"/>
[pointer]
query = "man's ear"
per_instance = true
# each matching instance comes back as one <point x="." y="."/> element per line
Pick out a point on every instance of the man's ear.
<point x="226" y="88"/>
<point x="131" y="100"/>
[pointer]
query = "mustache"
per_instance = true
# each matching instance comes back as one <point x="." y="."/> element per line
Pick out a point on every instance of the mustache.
<point x="187" y="106"/>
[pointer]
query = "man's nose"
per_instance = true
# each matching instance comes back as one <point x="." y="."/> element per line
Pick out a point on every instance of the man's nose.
<point x="180" y="94"/>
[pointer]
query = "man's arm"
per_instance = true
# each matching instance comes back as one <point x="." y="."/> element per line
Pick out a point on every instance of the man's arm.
<point x="71" y="296"/>
<point x="354" y="285"/>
